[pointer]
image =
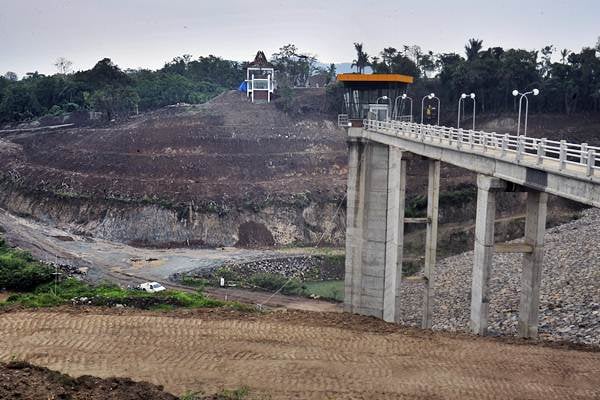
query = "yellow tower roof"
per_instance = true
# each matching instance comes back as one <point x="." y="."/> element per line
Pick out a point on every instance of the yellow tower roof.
<point x="379" y="78"/>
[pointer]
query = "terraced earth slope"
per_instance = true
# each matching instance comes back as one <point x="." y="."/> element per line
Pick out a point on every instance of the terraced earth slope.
<point x="222" y="173"/>
<point x="295" y="355"/>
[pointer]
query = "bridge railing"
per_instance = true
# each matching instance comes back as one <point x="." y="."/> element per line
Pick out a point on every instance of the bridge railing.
<point x="580" y="158"/>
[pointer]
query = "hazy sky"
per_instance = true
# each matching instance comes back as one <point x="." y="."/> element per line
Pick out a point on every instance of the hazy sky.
<point x="146" y="33"/>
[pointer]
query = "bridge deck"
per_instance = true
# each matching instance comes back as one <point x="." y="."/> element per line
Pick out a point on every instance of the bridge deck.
<point x="560" y="168"/>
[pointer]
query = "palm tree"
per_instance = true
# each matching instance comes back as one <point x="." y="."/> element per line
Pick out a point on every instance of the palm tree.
<point x="473" y="48"/>
<point x="362" y="58"/>
<point x="564" y="53"/>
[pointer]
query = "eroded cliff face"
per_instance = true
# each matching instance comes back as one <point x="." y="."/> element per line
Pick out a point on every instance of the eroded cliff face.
<point x="156" y="225"/>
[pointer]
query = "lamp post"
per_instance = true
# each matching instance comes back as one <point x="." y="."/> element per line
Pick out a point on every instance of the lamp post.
<point x="387" y="117"/>
<point x="430" y="96"/>
<point x="403" y="97"/>
<point x="461" y="99"/>
<point x="395" y="113"/>
<point x="516" y="93"/>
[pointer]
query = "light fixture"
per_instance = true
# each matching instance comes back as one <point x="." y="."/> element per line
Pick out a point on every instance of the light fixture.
<point x="536" y="92"/>
<point x="515" y="92"/>
<point x="473" y="96"/>
<point x="463" y="96"/>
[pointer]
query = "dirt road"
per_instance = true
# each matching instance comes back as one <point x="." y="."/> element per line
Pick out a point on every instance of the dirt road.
<point x="295" y="355"/>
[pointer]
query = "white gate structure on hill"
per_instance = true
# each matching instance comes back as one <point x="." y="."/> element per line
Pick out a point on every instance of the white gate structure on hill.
<point x="378" y="155"/>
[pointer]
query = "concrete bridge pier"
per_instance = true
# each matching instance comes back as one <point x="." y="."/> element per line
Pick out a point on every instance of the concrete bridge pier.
<point x="376" y="185"/>
<point x="532" y="249"/>
<point x="487" y="187"/>
<point x="433" y="199"/>
<point x="535" y="227"/>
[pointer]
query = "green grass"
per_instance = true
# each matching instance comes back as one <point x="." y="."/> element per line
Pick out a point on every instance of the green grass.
<point x="271" y="282"/>
<point x="198" y="283"/>
<point x="48" y="295"/>
<point x="331" y="290"/>
<point x="237" y="394"/>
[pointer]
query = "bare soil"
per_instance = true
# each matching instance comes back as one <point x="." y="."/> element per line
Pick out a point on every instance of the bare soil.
<point x="227" y="150"/>
<point x="21" y="380"/>
<point x="295" y="355"/>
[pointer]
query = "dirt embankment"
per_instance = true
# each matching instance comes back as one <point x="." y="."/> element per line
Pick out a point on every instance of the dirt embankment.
<point x="295" y="355"/>
<point x="216" y="174"/>
<point x="21" y="380"/>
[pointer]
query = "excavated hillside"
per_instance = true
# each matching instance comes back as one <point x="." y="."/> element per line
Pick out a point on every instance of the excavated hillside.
<point x="222" y="173"/>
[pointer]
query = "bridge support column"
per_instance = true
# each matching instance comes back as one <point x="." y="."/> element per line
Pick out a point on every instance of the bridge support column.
<point x="484" y="250"/>
<point x="535" y="226"/>
<point x="400" y="204"/>
<point x="433" y="197"/>
<point x="373" y="229"/>
<point x="354" y="223"/>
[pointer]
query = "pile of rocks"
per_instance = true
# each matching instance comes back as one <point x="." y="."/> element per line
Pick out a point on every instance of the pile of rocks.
<point x="570" y="289"/>
<point x="303" y="267"/>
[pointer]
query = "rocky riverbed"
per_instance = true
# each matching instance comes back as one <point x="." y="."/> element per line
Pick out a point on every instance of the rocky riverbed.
<point x="303" y="267"/>
<point x="570" y="289"/>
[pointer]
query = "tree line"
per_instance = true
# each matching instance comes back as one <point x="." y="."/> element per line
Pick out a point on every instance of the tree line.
<point x="568" y="81"/>
<point x="115" y="92"/>
<point x="108" y="89"/>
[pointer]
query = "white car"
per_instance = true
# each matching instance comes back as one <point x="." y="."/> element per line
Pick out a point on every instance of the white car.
<point x="151" y="287"/>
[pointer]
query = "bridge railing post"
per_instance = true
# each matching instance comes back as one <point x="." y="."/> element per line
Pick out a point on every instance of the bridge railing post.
<point x="582" y="156"/>
<point x="459" y="138"/>
<point x="591" y="162"/>
<point x="471" y="133"/>
<point x="541" y="150"/>
<point x="520" y="147"/>
<point x="562" y="157"/>
<point x="504" y="144"/>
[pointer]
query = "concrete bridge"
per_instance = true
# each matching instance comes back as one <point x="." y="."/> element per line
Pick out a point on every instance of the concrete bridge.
<point x="378" y="155"/>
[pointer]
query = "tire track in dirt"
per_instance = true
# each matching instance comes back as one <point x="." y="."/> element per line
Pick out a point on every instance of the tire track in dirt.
<point x="289" y="359"/>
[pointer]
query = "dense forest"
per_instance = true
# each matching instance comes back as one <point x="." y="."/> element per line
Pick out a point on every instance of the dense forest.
<point x="108" y="89"/>
<point x="569" y="81"/>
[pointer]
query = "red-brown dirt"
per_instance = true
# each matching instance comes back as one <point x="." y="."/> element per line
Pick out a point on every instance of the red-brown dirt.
<point x="21" y="380"/>
<point x="298" y="355"/>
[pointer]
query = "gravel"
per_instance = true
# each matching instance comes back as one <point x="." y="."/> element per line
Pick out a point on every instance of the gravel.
<point x="303" y="267"/>
<point x="570" y="289"/>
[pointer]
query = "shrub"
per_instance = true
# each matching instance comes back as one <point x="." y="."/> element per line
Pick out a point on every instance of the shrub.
<point x="274" y="282"/>
<point x="70" y="107"/>
<point x="55" y="110"/>
<point x="19" y="270"/>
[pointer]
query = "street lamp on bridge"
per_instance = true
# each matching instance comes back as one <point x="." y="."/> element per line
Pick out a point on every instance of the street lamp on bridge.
<point x="516" y="93"/>
<point x="403" y="97"/>
<point x="462" y="98"/>
<point x="430" y="96"/>
<point x="381" y="98"/>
